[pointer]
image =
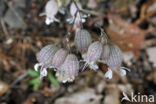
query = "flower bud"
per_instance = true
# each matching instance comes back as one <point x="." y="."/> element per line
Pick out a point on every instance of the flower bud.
<point x="93" y="55"/>
<point x="59" y="58"/>
<point x="69" y="69"/>
<point x="82" y="40"/>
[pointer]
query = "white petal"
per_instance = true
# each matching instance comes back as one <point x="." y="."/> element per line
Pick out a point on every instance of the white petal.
<point x="42" y="14"/>
<point x="62" y="10"/>
<point x="83" y="20"/>
<point x="36" y="66"/>
<point x="57" y="73"/>
<point x="44" y="72"/>
<point x="109" y="74"/>
<point x="70" y="20"/>
<point x="48" y="21"/>
<point x="71" y="79"/>
<point x="56" y="20"/>
<point x="85" y="16"/>
<point x="122" y="72"/>
<point x="88" y="15"/>
<point x="64" y="81"/>
<point x="126" y="68"/>
<point x="84" y="56"/>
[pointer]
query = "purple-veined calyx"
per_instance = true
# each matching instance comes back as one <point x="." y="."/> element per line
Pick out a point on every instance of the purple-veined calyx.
<point x="93" y="55"/>
<point x="45" y="57"/>
<point x="82" y="40"/>
<point x="69" y="69"/>
<point x="59" y="58"/>
<point x="114" y="62"/>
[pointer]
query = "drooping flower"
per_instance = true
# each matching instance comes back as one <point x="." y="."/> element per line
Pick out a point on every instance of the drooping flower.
<point x="82" y="40"/>
<point x="59" y="58"/>
<point x="45" y="57"/>
<point x="80" y="18"/>
<point x="69" y="69"/>
<point x="93" y="55"/>
<point x="51" y="9"/>
<point x="114" y="62"/>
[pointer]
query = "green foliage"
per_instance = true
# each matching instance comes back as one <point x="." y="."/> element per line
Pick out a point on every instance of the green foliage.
<point x="53" y="79"/>
<point x="35" y="81"/>
<point x="33" y="73"/>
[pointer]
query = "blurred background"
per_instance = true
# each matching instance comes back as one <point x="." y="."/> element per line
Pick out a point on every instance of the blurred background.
<point x="131" y="24"/>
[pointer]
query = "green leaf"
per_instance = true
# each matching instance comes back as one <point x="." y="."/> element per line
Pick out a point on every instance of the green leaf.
<point x="34" y="81"/>
<point x="53" y="79"/>
<point x="35" y="87"/>
<point x="33" y="73"/>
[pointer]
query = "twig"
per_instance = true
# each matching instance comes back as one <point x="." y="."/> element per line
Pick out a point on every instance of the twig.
<point x="4" y="27"/>
<point x="21" y="77"/>
<point x="92" y="12"/>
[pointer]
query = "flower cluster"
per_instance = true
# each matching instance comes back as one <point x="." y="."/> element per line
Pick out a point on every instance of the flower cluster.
<point x="65" y="63"/>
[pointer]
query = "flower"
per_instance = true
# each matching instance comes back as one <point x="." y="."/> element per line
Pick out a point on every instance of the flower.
<point x="93" y="55"/>
<point x="51" y="9"/>
<point x="76" y="14"/>
<point x="45" y="57"/>
<point x="82" y="40"/>
<point x="69" y="69"/>
<point x="114" y="62"/>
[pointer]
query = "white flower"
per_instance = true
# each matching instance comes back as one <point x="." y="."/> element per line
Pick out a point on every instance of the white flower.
<point x="51" y="9"/>
<point x="48" y="20"/>
<point x="80" y="18"/>
<point x="43" y="73"/>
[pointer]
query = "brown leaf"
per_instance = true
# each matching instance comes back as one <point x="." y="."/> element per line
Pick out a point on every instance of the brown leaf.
<point x="128" y="36"/>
